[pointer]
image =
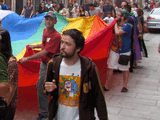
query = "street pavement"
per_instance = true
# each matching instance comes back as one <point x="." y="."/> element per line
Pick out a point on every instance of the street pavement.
<point x="141" y="102"/>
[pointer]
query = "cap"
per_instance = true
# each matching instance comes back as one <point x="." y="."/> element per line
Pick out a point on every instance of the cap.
<point x="125" y="13"/>
<point x="51" y="14"/>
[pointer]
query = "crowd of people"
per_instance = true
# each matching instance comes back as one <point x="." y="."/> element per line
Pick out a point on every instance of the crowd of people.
<point x="149" y="5"/>
<point x="73" y="80"/>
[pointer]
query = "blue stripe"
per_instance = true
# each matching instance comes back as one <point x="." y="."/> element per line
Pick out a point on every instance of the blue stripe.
<point x="21" y="28"/>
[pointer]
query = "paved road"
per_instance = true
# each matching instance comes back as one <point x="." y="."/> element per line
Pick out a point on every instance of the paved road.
<point x="142" y="102"/>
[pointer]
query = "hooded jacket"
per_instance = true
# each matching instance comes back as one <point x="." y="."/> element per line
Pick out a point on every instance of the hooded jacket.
<point x="91" y="91"/>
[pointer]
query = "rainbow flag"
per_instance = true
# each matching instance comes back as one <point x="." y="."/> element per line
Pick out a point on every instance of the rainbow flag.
<point x="25" y="31"/>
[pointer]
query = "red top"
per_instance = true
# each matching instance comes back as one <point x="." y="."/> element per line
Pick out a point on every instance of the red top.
<point x="152" y="6"/>
<point x="50" y="43"/>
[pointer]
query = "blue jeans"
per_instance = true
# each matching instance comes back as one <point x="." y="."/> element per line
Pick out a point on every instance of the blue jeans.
<point x="42" y="97"/>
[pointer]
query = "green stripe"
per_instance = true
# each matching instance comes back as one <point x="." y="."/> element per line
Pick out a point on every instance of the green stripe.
<point x="18" y="46"/>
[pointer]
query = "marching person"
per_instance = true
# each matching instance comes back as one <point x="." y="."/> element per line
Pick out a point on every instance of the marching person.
<point x="28" y="9"/>
<point x="42" y="9"/>
<point x="74" y="82"/>
<point x="5" y="86"/>
<point x="94" y="10"/>
<point x="120" y="52"/>
<point x="50" y="46"/>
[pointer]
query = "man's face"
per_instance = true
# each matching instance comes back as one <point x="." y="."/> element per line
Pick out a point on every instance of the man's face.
<point x="48" y="1"/>
<point x="54" y="4"/>
<point x="91" y="7"/>
<point x="87" y="1"/>
<point x="123" y="4"/>
<point x="101" y="3"/>
<point x="118" y="16"/>
<point x="68" y="47"/>
<point x="132" y="4"/>
<point x="49" y="22"/>
<point x="107" y="2"/>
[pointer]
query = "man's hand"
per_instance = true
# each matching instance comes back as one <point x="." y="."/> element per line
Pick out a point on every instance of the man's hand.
<point x="24" y="59"/>
<point x="32" y="46"/>
<point x="140" y="36"/>
<point x="50" y="86"/>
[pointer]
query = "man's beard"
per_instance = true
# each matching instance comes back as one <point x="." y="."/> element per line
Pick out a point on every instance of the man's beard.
<point x="68" y="55"/>
<point x="119" y="20"/>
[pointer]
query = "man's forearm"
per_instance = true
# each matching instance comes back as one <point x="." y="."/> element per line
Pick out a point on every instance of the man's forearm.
<point x="38" y="46"/>
<point x="37" y="55"/>
<point x="116" y="28"/>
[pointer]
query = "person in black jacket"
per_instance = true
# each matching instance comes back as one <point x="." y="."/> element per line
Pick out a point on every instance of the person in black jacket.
<point x="42" y="9"/>
<point x="74" y="82"/>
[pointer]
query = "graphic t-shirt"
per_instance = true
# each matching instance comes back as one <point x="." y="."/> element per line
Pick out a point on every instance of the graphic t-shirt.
<point x="122" y="43"/>
<point x="69" y="91"/>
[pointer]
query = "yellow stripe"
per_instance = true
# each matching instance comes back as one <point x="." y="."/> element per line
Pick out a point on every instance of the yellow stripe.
<point x="82" y="24"/>
<point x="21" y="54"/>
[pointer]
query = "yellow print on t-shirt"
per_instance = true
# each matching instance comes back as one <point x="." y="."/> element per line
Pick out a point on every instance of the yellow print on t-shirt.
<point x="69" y="90"/>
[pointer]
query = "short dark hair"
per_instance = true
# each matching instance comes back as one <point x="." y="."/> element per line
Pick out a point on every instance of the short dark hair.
<point x="6" y="48"/>
<point x="91" y="4"/>
<point x="77" y="36"/>
<point x="128" y="8"/>
<point x="61" y="6"/>
<point x="126" y="2"/>
<point x="135" y="4"/>
<point x="82" y="8"/>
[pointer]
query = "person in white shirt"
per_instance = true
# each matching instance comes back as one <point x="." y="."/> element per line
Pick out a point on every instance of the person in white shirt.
<point x="101" y="5"/>
<point x="109" y="18"/>
<point x="73" y="82"/>
<point x="94" y="10"/>
<point x="49" y="4"/>
<point x="75" y="11"/>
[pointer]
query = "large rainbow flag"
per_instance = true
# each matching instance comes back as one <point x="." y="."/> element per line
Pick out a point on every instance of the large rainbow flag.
<point x="25" y="31"/>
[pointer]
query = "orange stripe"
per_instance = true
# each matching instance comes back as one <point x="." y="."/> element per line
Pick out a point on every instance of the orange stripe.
<point x="98" y="25"/>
